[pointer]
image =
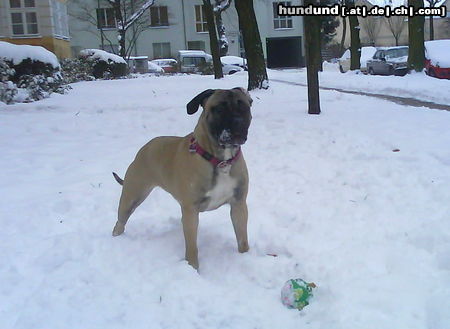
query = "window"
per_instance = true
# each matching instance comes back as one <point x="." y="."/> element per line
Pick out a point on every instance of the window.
<point x="158" y="16"/>
<point x="106" y="18"/>
<point x="200" y="19"/>
<point x="196" y="45"/>
<point x="161" y="50"/>
<point x="59" y="19"/>
<point x="281" y="22"/>
<point x="23" y="17"/>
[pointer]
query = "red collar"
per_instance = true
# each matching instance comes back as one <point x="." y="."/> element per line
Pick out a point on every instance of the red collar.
<point x="195" y="147"/>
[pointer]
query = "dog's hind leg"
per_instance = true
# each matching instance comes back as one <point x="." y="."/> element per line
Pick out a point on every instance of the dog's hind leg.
<point x="134" y="192"/>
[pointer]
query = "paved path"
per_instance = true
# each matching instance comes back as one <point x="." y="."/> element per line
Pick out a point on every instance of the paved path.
<point x="395" y="99"/>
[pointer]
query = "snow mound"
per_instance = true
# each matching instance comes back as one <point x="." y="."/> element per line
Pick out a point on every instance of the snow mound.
<point x="18" y="53"/>
<point x="102" y="55"/>
<point x="437" y="52"/>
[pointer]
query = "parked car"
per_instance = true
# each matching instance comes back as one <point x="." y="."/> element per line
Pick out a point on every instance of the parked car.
<point x="153" y="68"/>
<point x="234" y="60"/>
<point x="169" y="65"/>
<point x="437" y="58"/>
<point x="231" y="69"/>
<point x="389" y="61"/>
<point x="366" y="54"/>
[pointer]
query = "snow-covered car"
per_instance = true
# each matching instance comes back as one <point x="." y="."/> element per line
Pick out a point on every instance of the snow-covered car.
<point x="437" y="58"/>
<point x="389" y="61"/>
<point x="153" y="68"/>
<point x="169" y="65"/>
<point x="192" y="60"/>
<point x="231" y="69"/>
<point x="366" y="54"/>
<point x="234" y="60"/>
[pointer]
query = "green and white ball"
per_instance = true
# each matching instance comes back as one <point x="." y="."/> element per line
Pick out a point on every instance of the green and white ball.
<point x="296" y="293"/>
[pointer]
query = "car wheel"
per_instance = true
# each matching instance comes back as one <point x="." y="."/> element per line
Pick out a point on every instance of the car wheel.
<point x="341" y="69"/>
<point x="431" y="73"/>
<point x="371" y="72"/>
<point x="391" y="71"/>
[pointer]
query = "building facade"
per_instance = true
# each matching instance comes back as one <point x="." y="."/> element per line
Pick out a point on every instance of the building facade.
<point x="36" y="22"/>
<point x="174" y="25"/>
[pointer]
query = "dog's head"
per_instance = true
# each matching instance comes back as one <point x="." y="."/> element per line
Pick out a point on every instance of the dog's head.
<point x="227" y="114"/>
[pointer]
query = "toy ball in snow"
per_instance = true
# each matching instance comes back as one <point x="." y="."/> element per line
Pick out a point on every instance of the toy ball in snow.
<point x="296" y="293"/>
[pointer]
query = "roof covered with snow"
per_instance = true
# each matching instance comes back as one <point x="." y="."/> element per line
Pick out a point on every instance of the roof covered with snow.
<point x="18" y="53"/>
<point x="438" y="51"/>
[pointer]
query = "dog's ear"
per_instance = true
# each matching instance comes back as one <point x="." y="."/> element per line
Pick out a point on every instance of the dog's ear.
<point x="198" y="100"/>
<point x="246" y="93"/>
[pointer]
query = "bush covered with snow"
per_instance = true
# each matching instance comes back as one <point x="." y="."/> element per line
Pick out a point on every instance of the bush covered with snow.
<point x="21" y="87"/>
<point x="104" y="64"/>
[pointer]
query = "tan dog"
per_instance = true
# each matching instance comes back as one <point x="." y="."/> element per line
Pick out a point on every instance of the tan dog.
<point x="202" y="171"/>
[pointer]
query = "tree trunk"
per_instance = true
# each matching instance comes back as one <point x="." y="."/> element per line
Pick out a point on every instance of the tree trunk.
<point x="120" y="20"/>
<point x="311" y="26"/>
<point x="355" y="41"/>
<point x="223" y="43"/>
<point x="416" y="56"/>
<point x="214" y="44"/>
<point x="344" y="33"/>
<point x="431" y="28"/>
<point x="257" y="74"/>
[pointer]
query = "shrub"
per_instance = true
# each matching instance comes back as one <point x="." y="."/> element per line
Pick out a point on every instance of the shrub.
<point x="75" y="70"/>
<point x="105" y="65"/>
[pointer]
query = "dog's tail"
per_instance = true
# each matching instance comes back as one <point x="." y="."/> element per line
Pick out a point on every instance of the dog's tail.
<point x="118" y="179"/>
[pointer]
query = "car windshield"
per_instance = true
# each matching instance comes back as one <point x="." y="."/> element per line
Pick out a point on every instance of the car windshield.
<point x="395" y="53"/>
<point x="193" y="61"/>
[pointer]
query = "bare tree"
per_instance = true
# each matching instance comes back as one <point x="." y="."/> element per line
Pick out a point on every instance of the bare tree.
<point x="416" y="54"/>
<point x="214" y="44"/>
<point x="219" y="7"/>
<point x="312" y="26"/>
<point x="128" y="14"/>
<point x="371" y="24"/>
<point x="355" y="41"/>
<point x="396" y="25"/>
<point x="433" y="3"/>
<point x="257" y="74"/>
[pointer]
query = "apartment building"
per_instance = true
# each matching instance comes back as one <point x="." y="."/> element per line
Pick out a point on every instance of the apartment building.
<point x="36" y="22"/>
<point x="174" y="25"/>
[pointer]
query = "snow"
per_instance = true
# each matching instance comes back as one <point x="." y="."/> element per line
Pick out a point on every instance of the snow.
<point x="328" y="197"/>
<point x="102" y="55"/>
<point x="415" y="85"/>
<point x="438" y="52"/>
<point x="18" y="53"/>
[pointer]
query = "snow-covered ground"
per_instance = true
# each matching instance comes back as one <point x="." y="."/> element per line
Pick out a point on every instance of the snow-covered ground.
<point x="415" y="85"/>
<point x="328" y="196"/>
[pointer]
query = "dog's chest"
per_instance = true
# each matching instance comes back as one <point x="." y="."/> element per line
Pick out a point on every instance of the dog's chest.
<point x="221" y="192"/>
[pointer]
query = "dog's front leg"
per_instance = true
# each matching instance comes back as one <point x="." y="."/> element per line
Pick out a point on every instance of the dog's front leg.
<point x="239" y="216"/>
<point x="190" y="228"/>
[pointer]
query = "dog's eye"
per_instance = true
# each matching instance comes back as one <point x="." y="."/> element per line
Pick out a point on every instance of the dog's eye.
<point x="219" y="109"/>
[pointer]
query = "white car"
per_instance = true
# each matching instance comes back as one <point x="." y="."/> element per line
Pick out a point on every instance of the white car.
<point x="231" y="69"/>
<point x="366" y="54"/>
<point x="234" y="60"/>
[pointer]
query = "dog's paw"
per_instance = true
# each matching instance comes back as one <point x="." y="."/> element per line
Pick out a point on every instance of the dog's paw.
<point x="118" y="229"/>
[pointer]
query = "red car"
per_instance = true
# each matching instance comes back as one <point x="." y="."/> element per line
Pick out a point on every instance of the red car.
<point x="437" y="58"/>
